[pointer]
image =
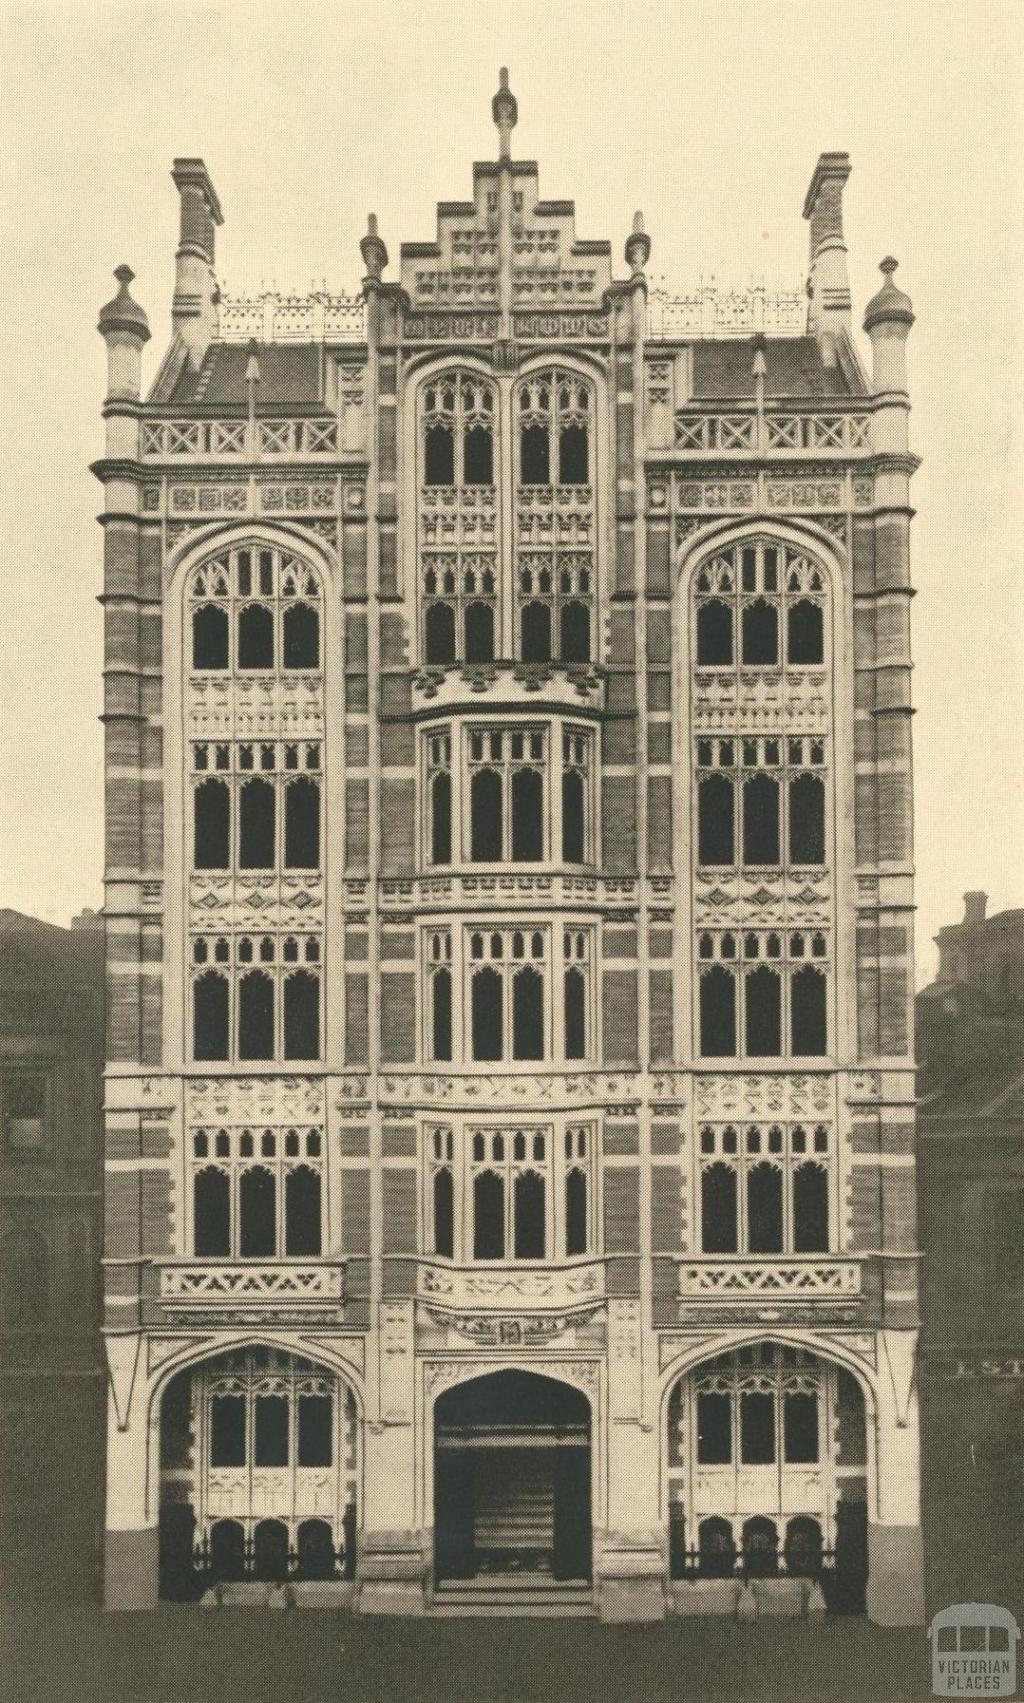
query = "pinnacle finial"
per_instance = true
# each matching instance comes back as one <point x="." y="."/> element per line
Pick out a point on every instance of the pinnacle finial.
<point x="123" y="313"/>
<point x="638" y="246"/>
<point x="888" y="265"/>
<point x="372" y="249"/>
<point x="505" y="113"/>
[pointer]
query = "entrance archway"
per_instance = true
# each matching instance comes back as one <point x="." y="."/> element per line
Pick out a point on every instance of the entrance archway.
<point x="512" y="1479"/>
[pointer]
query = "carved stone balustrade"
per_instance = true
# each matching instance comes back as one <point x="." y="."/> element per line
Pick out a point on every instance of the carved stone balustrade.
<point x="710" y="312"/>
<point x="475" y="1289"/>
<point x="260" y="706"/>
<point x="276" y="1292"/>
<point x="746" y="1278"/>
<point x="273" y="318"/>
<point x="510" y="890"/>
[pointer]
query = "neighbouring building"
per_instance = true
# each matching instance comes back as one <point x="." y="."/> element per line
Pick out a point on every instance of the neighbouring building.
<point x="970" y="1042"/>
<point x="510" y="1188"/>
<point x="52" y="1371"/>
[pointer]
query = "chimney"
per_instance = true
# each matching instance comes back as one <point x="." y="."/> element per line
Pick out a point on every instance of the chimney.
<point x="194" y="310"/>
<point x="974" y="908"/>
<point x="828" y="283"/>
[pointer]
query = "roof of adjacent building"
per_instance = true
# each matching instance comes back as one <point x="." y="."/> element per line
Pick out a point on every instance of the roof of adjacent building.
<point x="291" y="374"/>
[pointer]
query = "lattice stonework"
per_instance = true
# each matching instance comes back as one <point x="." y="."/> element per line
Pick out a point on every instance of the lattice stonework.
<point x="458" y="519"/>
<point x="273" y="1438"/>
<point x="555" y="517"/>
<point x="762" y="801"/>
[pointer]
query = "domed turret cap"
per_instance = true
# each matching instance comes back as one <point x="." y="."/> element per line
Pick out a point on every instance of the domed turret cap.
<point x="122" y="313"/>
<point x="890" y="304"/>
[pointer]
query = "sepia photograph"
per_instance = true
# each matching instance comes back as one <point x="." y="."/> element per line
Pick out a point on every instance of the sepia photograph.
<point x="511" y="823"/>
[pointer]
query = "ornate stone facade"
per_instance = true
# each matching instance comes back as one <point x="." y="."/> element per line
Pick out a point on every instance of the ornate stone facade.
<point x="508" y="900"/>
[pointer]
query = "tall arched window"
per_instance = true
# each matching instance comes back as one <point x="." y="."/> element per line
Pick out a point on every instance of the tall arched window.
<point x="257" y="831"/>
<point x="301" y="636"/>
<point x="805" y="633"/>
<point x="527" y="1014"/>
<point x="573" y="817"/>
<point x="255" y="636"/>
<point x="527" y="815"/>
<point x="255" y="1015"/>
<point x="485" y="816"/>
<point x="714" y="634"/>
<point x="441" y="817"/>
<point x="212" y="825"/>
<point x="760" y="820"/>
<point x="487" y="1014"/>
<point x="763" y="1000"/>
<point x="440" y="634"/>
<point x="302" y="824"/>
<point x="302" y="1212"/>
<point x="718" y="1013"/>
<point x="575" y="632"/>
<point x="759" y="626"/>
<point x="257" y="604"/>
<point x="212" y="1213"/>
<point x="808" y="1012"/>
<point x="806" y="819"/>
<point x="302" y="1015"/>
<point x="719" y="1218"/>
<point x="257" y="1213"/>
<point x="535" y="642"/>
<point x="210" y="645"/>
<point x="715" y="820"/>
<point x="479" y="636"/>
<point x="210" y="1006"/>
<point x="444" y="1211"/>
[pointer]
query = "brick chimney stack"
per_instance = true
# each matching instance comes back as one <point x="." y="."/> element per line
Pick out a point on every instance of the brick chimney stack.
<point x="194" y="310"/>
<point x="974" y="908"/>
<point x="828" y="283"/>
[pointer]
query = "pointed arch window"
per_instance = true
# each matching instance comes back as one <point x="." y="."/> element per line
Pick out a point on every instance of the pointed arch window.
<point x="765" y="1188"/>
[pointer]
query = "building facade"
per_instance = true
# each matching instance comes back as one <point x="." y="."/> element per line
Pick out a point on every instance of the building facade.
<point x="52" y="1372"/>
<point x="970" y="1043"/>
<point x="510" y="1095"/>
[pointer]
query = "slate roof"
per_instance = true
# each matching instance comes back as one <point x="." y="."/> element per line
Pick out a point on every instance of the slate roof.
<point x="724" y="367"/>
<point x="289" y="375"/>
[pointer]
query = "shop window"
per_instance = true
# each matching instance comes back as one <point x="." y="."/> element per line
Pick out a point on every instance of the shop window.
<point x="760" y="1539"/>
<point x="314" y="1432"/>
<point x="757" y="1428"/>
<point x="717" y="1551"/>
<point x="803" y="1546"/>
<point x="209" y="636"/>
<point x="573" y="455"/>
<point x="714" y="1429"/>
<point x="227" y="1431"/>
<point x="800" y="1427"/>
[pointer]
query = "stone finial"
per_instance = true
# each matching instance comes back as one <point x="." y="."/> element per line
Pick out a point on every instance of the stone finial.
<point x="638" y="246"/>
<point x="122" y="313"/>
<point x="372" y="249"/>
<point x="890" y="305"/>
<point x="505" y="113"/>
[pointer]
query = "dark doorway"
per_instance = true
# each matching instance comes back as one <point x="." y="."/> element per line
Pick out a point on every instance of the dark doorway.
<point x="512" y="1479"/>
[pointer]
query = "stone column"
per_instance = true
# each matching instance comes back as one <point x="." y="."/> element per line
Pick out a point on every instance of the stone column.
<point x="131" y="1553"/>
<point x="895" y="1593"/>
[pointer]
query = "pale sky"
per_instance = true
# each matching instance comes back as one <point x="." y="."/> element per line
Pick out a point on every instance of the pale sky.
<point x="709" y="116"/>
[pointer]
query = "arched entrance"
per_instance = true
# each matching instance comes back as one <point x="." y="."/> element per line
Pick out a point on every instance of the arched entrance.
<point x="767" y="1469"/>
<point x="512" y="1479"/>
<point x="258" y="1451"/>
